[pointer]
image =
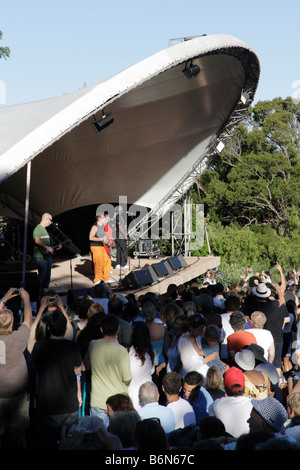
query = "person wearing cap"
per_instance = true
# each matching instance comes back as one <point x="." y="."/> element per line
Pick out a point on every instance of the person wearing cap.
<point x="257" y="383"/>
<point x="234" y="409"/>
<point x="267" y="415"/>
<point x="263" y="300"/>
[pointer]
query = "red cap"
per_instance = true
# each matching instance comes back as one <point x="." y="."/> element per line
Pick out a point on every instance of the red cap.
<point x="234" y="378"/>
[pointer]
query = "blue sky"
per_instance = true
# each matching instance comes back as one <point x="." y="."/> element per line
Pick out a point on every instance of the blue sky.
<point x="58" y="45"/>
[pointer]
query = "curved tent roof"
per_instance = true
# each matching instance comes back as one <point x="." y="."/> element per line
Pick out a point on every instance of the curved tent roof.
<point x="165" y="127"/>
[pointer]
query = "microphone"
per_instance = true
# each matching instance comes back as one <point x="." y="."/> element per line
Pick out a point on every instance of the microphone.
<point x="53" y="223"/>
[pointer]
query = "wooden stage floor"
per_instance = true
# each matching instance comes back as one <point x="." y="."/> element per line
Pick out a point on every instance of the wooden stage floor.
<point x="77" y="273"/>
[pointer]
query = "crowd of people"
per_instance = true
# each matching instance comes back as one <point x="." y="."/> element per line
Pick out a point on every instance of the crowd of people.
<point x="203" y="367"/>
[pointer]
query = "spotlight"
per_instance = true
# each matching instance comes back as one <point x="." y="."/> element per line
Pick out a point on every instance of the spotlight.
<point x="105" y="121"/>
<point x="220" y="146"/>
<point x="245" y="97"/>
<point x="191" y="71"/>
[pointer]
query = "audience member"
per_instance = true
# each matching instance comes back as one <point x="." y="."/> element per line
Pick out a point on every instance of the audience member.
<point x="14" y="377"/>
<point x="157" y="330"/>
<point x="210" y="344"/>
<point x="150" y="407"/>
<point x="263" y="337"/>
<point x="89" y="434"/>
<point x="142" y="360"/>
<point x="115" y="307"/>
<point x="189" y="346"/>
<point x="240" y="338"/>
<point x="123" y="424"/>
<point x="194" y="394"/>
<point x="118" y="402"/>
<point x="171" y="352"/>
<point x="276" y="314"/>
<point x="150" y="436"/>
<point x="57" y="362"/>
<point x="214" y="383"/>
<point x="234" y="409"/>
<point x="182" y="409"/>
<point x="101" y="295"/>
<point x="257" y="383"/>
<point x="267" y="415"/>
<point x="232" y="304"/>
<point x="110" y="366"/>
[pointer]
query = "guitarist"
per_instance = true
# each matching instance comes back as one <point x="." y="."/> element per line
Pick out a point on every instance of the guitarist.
<point x="42" y="242"/>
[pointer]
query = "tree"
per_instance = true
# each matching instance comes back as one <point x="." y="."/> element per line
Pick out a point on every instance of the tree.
<point x="256" y="178"/>
<point x="4" y="51"/>
<point x="251" y="191"/>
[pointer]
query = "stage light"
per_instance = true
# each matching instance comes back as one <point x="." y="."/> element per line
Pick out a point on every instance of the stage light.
<point x="191" y="71"/>
<point x="105" y="121"/>
<point x="245" y="97"/>
<point x="220" y="146"/>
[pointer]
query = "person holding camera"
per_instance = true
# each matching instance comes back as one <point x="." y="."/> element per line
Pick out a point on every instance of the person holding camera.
<point x="48" y="304"/>
<point x="14" y="377"/>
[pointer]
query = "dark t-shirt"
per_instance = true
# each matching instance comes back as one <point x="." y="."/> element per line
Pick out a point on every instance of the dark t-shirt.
<point x="275" y="315"/>
<point x="55" y="360"/>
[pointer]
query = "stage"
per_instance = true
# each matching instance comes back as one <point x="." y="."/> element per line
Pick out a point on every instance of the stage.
<point x="77" y="274"/>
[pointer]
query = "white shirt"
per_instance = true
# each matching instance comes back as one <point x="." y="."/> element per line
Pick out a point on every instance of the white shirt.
<point x="264" y="339"/>
<point x="190" y="359"/>
<point x="140" y="374"/>
<point x="234" y="413"/>
<point x="183" y="412"/>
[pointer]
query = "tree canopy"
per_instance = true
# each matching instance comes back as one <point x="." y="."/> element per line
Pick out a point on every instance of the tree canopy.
<point x="251" y="191"/>
<point x="4" y="51"/>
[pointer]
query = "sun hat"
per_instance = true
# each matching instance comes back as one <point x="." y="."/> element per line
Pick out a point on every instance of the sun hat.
<point x="261" y="291"/>
<point x="234" y="378"/>
<point x="258" y="352"/>
<point x="245" y="359"/>
<point x="272" y="412"/>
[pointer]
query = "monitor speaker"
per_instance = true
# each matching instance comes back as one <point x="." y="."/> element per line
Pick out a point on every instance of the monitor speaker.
<point x="182" y="261"/>
<point x="161" y="269"/>
<point x="175" y="263"/>
<point x="136" y="279"/>
<point x="168" y="266"/>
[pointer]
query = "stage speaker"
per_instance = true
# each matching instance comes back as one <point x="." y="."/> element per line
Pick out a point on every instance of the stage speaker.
<point x="136" y="279"/>
<point x="32" y="285"/>
<point x="175" y="263"/>
<point x="161" y="269"/>
<point x="182" y="261"/>
<point x="168" y="267"/>
<point x="152" y="272"/>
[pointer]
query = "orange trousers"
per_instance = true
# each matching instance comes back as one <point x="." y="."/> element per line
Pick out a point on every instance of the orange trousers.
<point x="102" y="263"/>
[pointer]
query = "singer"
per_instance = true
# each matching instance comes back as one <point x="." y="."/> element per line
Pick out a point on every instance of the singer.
<point x="42" y="242"/>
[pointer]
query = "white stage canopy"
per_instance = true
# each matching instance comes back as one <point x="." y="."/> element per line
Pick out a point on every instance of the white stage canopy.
<point x="165" y="128"/>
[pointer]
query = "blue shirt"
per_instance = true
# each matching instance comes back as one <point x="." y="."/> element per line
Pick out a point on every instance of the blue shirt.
<point x="165" y="415"/>
<point x="199" y="406"/>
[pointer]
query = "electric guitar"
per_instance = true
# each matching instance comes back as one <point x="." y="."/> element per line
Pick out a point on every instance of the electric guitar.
<point x="47" y="254"/>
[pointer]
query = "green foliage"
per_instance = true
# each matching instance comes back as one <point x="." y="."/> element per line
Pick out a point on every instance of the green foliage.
<point x="251" y="191"/>
<point x="4" y="51"/>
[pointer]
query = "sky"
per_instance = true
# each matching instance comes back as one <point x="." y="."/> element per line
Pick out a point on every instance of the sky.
<point x="59" y="46"/>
